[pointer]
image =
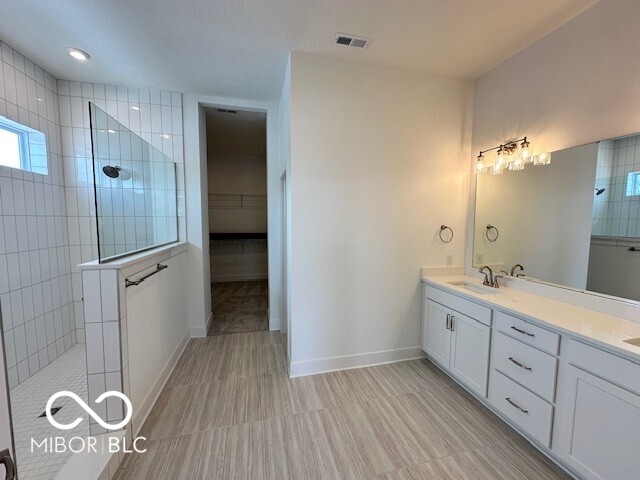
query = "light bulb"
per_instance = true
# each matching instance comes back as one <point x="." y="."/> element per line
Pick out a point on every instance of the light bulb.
<point x="500" y="161"/>
<point x="524" y="150"/>
<point x="496" y="169"/>
<point x="78" y="54"/>
<point x="517" y="164"/>
<point x="479" y="167"/>
<point x="542" y="159"/>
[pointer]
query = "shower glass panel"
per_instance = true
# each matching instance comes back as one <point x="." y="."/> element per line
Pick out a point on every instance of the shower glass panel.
<point x="135" y="190"/>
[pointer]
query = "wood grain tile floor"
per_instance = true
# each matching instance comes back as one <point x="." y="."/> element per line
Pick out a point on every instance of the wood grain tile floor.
<point x="229" y="411"/>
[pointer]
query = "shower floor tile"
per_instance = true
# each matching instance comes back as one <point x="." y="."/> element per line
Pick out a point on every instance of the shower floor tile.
<point x="28" y="401"/>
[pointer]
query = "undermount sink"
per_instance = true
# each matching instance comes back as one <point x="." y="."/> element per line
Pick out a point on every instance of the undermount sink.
<point x="474" y="287"/>
<point x="633" y="341"/>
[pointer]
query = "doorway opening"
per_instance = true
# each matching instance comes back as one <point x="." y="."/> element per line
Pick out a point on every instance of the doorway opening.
<point x="237" y="203"/>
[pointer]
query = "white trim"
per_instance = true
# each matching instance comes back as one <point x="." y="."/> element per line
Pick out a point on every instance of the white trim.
<point x="346" y="362"/>
<point x="198" y="274"/>
<point x="199" y="331"/>
<point x="274" y="324"/>
<point x="147" y="404"/>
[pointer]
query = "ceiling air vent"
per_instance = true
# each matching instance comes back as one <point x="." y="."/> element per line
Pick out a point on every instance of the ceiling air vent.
<point x="225" y="110"/>
<point x="351" y="40"/>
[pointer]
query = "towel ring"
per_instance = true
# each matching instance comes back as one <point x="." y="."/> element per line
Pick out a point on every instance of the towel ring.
<point x="492" y="237"/>
<point x="443" y="228"/>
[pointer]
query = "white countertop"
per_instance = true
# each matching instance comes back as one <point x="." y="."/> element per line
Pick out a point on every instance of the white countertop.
<point x="134" y="258"/>
<point x="605" y="330"/>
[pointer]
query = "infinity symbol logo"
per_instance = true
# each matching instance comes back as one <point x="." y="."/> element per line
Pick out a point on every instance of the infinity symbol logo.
<point x="89" y="410"/>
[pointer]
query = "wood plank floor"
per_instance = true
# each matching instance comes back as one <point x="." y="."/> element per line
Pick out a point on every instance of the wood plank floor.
<point x="229" y="411"/>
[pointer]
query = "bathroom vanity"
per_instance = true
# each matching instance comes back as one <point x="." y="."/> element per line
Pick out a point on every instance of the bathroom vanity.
<point x="565" y="377"/>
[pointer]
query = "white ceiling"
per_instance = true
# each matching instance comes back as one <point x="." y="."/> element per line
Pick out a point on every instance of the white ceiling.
<point x="238" y="48"/>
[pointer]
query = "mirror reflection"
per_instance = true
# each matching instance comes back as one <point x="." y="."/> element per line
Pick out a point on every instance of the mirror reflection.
<point x="574" y="222"/>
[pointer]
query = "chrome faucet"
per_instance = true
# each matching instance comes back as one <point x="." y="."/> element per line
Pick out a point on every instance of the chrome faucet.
<point x="513" y="270"/>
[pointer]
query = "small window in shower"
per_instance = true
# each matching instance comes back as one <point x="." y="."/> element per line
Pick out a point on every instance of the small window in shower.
<point x="135" y="190"/>
<point x="22" y="147"/>
<point x="633" y="184"/>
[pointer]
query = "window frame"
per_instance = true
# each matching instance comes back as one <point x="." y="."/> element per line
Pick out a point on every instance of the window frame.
<point x="23" y="145"/>
<point x="26" y="137"/>
<point x="632" y="187"/>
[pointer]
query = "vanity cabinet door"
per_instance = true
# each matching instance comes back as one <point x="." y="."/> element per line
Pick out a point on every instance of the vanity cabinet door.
<point x="470" y="352"/>
<point x="601" y="436"/>
<point x="436" y="336"/>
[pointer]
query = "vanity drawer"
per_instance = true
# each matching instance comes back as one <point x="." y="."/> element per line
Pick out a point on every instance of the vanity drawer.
<point x="471" y="309"/>
<point x="522" y="407"/>
<point x="526" y="365"/>
<point x="528" y="332"/>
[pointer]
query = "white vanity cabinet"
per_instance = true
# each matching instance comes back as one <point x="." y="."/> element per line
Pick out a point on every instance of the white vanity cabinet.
<point x="599" y="429"/>
<point x="523" y="376"/>
<point x="577" y="402"/>
<point x="456" y="334"/>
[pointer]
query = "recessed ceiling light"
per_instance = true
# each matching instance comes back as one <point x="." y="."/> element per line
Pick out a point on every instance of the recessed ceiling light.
<point x="78" y="54"/>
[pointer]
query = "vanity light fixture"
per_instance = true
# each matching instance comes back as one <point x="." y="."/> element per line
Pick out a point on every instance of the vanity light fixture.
<point x="78" y="54"/>
<point x="480" y="164"/>
<point x="513" y="155"/>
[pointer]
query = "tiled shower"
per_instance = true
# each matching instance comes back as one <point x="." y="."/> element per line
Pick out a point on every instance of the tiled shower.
<point x="36" y="298"/>
<point x="48" y="222"/>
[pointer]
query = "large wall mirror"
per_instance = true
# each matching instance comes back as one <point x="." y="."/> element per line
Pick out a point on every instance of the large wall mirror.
<point x="574" y="222"/>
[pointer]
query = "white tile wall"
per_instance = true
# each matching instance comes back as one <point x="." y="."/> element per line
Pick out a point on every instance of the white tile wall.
<point x="35" y="275"/>
<point x="615" y="214"/>
<point x="106" y="338"/>
<point x="137" y="209"/>
<point x="153" y="115"/>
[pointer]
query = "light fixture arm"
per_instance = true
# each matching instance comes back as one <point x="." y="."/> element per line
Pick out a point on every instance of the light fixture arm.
<point x="511" y="145"/>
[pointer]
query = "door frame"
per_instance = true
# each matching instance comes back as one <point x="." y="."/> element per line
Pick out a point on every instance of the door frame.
<point x="197" y="274"/>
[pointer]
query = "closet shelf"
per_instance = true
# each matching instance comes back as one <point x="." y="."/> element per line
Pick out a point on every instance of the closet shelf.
<point x="237" y="236"/>
<point x="237" y="200"/>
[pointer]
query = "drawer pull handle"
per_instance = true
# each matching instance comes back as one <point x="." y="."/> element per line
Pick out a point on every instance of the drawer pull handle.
<point x="516" y="405"/>
<point x="523" y="332"/>
<point x="520" y="364"/>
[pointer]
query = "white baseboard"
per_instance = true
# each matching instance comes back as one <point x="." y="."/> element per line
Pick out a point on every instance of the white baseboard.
<point x="274" y="324"/>
<point x="323" y="365"/>
<point x="201" y="331"/>
<point x="144" y="409"/>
